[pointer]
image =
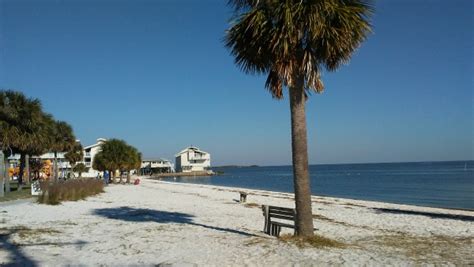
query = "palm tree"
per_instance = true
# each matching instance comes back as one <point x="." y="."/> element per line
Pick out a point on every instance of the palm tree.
<point x="21" y="127"/>
<point x="62" y="139"/>
<point x="75" y="154"/>
<point x="134" y="160"/>
<point x="80" y="168"/>
<point x="115" y="155"/>
<point x="292" y="41"/>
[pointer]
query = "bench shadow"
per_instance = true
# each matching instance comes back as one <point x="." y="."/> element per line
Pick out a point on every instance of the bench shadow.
<point x="130" y="214"/>
<point x="433" y="215"/>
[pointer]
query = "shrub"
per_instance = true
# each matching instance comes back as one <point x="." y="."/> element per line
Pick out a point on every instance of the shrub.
<point x="71" y="190"/>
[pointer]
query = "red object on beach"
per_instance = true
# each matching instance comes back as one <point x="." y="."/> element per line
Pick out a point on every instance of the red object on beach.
<point x="137" y="182"/>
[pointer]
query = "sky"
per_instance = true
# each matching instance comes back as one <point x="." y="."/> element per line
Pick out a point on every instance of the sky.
<point x="156" y="74"/>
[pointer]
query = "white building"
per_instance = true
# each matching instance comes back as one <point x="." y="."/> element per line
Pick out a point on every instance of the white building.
<point x="150" y="166"/>
<point x="89" y="154"/>
<point x="192" y="159"/>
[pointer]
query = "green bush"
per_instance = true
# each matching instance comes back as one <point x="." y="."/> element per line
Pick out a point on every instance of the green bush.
<point x="70" y="190"/>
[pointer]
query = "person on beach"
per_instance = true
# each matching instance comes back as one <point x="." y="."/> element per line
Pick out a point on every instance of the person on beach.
<point x="106" y="177"/>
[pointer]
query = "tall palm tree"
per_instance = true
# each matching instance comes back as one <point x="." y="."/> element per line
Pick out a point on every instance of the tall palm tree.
<point x="292" y="41"/>
<point x="21" y="126"/>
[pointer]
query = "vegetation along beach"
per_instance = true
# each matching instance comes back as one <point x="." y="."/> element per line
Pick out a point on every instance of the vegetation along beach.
<point x="236" y="133"/>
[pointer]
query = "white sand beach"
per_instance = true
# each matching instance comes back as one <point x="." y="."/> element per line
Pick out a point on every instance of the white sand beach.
<point x="183" y="224"/>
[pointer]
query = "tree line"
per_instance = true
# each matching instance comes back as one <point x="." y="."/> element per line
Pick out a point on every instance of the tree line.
<point x="26" y="129"/>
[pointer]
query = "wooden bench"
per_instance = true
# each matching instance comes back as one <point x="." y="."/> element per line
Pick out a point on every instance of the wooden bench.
<point x="271" y="213"/>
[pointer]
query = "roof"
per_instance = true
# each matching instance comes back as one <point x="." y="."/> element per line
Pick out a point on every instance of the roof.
<point x="99" y="142"/>
<point x="159" y="159"/>
<point x="195" y="149"/>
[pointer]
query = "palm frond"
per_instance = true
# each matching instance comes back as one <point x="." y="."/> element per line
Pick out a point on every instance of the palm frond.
<point x="296" y="38"/>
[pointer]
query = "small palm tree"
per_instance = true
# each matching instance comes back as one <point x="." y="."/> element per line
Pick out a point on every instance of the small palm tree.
<point x="292" y="41"/>
<point x="134" y="161"/>
<point x="75" y="154"/>
<point x="62" y="139"/>
<point x="80" y="168"/>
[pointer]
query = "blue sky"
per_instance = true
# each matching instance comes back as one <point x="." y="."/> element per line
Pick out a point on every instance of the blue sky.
<point x="156" y="74"/>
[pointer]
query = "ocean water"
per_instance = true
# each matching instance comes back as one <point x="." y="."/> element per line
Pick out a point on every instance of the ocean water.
<point x="434" y="184"/>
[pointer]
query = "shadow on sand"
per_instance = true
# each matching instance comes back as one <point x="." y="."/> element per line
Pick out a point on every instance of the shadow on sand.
<point x="16" y="256"/>
<point x="148" y="215"/>
<point x="433" y="215"/>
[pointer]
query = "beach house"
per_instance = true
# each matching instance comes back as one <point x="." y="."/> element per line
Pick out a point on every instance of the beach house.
<point x="151" y="166"/>
<point x="89" y="154"/>
<point x="192" y="159"/>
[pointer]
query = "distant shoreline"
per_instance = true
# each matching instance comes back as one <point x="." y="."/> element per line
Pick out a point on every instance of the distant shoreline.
<point x="354" y="163"/>
<point x="181" y="174"/>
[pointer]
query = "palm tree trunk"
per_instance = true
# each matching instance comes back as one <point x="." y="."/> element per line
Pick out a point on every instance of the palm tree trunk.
<point x="22" y="170"/>
<point x="27" y="168"/>
<point x="6" y="174"/>
<point x="304" y="217"/>
<point x="55" y="166"/>
<point x="2" y="173"/>
<point x="111" y="177"/>
<point x="128" y="177"/>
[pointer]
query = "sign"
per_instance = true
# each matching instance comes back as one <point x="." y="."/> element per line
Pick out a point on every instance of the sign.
<point x="35" y="188"/>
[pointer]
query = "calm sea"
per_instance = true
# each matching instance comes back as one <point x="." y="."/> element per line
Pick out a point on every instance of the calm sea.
<point x="435" y="184"/>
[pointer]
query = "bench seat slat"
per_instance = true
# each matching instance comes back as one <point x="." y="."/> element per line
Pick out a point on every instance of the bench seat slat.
<point x="283" y="211"/>
<point x="283" y="224"/>
<point x="283" y="217"/>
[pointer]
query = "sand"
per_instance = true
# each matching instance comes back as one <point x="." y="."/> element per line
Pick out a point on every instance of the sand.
<point x="160" y="223"/>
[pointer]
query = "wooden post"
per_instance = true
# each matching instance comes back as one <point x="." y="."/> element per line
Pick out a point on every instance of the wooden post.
<point x="243" y="197"/>
<point x="266" y="214"/>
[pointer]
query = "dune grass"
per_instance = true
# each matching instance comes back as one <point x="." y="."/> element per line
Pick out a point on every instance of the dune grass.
<point x="315" y="241"/>
<point x="72" y="190"/>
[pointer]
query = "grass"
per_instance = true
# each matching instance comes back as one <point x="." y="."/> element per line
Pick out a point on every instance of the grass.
<point x="28" y="233"/>
<point x="14" y="194"/>
<point x="72" y="190"/>
<point x="315" y="241"/>
<point x="252" y="205"/>
<point x="424" y="250"/>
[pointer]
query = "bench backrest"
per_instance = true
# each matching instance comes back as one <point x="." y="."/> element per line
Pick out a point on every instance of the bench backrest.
<point x="270" y="212"/>
<point x="281" y="213"/>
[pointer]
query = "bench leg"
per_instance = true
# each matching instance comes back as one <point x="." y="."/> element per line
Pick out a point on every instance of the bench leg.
<point x="275" y="230"/>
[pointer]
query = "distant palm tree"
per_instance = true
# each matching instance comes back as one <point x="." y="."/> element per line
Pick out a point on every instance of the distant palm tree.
<point x="292" y="41"/>
<point x="134" y="161"/>
<point x="62" y="140"/>
<point x="75" y="154"/>
<point x="115" y="155"/>
<point x="80" y="168"/>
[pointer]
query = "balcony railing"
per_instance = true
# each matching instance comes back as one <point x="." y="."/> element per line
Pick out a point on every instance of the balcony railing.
<point x="194" y="157"/>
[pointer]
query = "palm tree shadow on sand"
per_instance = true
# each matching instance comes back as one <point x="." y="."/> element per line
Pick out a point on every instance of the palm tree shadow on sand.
<point x="16" y="256"/>
<point x="130" y="214"/>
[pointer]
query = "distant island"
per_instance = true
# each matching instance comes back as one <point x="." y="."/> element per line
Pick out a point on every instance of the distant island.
<point x="235" y="166"/>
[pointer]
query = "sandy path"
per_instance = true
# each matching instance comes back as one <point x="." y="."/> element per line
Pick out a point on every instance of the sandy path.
<point x="183" y="224"/>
